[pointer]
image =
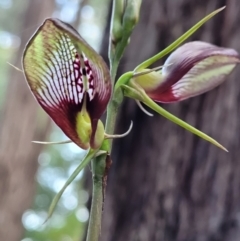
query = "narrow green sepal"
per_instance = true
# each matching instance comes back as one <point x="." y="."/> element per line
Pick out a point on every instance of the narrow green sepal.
<point x="181" y="123"/>
<point x="84" y="163"/>
<point x="140" y="95"/>
<point x="177" y="42"/>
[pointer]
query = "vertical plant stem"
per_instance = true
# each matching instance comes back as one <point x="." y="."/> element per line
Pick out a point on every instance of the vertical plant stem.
<point x="98" y="171"/>
<point x="99" y="165"/>
<point x="121" y="29"/>
<point x="94" y="228"/>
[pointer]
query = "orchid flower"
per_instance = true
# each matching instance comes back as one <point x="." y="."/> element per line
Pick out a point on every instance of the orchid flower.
<point x="192" y="69"/>
<point x="72" y="84"/>
<point x="69" y="80"/>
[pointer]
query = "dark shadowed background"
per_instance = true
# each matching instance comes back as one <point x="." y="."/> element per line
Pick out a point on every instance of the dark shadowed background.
<point x="165" y="184"/>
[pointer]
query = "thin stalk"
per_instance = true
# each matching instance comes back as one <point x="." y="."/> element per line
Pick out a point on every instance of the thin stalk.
<point x="124" y="19"/>
<point x="94" y="228"/>
<point x="99" y="164"/>
<point x="98" y="171"/>
<point x="181" y="123"/>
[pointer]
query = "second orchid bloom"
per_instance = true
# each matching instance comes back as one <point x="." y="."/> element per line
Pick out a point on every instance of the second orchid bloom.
<point x="192" y="69"/>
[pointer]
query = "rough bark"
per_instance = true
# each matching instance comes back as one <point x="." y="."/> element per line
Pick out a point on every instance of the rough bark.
<point x="166" y="184"/>
<point x="21" y="122"/>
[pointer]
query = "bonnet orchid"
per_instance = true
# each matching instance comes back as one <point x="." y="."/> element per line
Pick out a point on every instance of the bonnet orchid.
<point x="73" y="85"/>
<point x="69" y="80"/>
<point x="192" y="69"/>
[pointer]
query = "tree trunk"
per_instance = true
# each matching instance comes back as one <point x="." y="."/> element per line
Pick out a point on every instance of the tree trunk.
<point x="166" y="184"/>
<point x="21" y="122"/>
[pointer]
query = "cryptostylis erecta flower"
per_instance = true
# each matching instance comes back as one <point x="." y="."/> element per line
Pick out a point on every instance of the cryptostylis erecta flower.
<point x="69" y="80"/>
<point x="72" y="82"/>
<point x="192" y="69"/>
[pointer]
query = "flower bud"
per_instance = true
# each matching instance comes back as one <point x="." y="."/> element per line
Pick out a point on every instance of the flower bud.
<point x="132" y="11"/>
<point x="116" y="21"/>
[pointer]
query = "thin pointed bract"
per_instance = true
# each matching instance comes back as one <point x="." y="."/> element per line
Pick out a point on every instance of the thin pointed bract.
<point x="69" y="80"/>
<point x="148" y="71"/>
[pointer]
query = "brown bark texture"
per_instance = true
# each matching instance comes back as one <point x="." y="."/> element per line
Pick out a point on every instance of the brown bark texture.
<point x="166" y="184"/>
<point x="21" y="122"/>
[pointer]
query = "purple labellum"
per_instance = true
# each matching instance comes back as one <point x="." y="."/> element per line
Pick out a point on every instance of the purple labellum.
<point x="64" y="72"/>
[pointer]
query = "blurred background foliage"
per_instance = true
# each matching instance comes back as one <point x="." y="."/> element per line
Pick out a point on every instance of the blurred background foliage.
<point x="56" y="163"/>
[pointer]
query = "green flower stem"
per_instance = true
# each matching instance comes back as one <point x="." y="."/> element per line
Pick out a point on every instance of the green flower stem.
<point x="124" y="19"/>
<point x="99" y="166"/>
<point x="98" y="170"/>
